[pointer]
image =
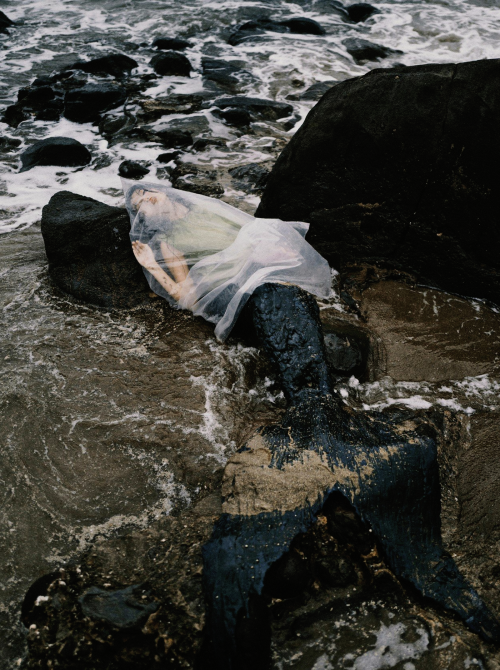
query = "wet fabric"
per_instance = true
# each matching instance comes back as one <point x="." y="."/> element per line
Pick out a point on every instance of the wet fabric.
<point x="223" y="252"/>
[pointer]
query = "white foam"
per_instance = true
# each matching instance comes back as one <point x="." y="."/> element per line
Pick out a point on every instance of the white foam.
<point x="390" y="649"/>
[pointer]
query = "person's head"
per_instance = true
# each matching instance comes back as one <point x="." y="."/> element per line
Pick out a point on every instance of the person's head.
<point x="153" y="202"/>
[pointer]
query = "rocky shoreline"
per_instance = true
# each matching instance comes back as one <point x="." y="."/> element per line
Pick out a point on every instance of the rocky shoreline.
<point x="135" y="598"/>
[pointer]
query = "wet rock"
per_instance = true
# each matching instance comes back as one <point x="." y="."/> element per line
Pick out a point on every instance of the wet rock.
<point x="14" y="115"/>
<point x="8" y="144"/>
<point x="62" y="151"/>
<point x="261" y="25"/>
<point x="430" y="335"/>
<point x="188" y="177"/>
<point x="343" y="356"/>
<point x="221" y="73"/>
<point x="314" y="92"/>
<point x="89" y="252"/>
<point x="125" y="608"/>
<point x="288" y="576"/>
<point x="255" y="108"/>
<point x="171" y="64"/>
<point x="167" y="157"/>
<point x="206" y="142"/>
<point x="86" y="104"/>
<point x="194" y="124"/>
<point x="175" y="139"/>
<point x="5" y="23"/>
<point x="303" y="26"/>
<point x="171" y="43"/>
<point x="43" y="101"/>
<point x="251" y="177"/>
<point x="361" y="11"/>
<point x="173" y="104"/>
<point x="408" y="186"/>
<point x="116" y="65"/>
<point x="240" y="118"/>
<point x="38" y="95"/>
<point x="363" y="50"/>
<point x="132" y="170"/>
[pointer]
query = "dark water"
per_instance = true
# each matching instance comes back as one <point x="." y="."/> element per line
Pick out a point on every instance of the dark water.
<point x="109" y="419"/>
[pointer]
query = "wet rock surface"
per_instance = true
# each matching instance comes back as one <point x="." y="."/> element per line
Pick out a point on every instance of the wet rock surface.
<point x="346" y="171"/>
<point x="171" y="63"/>
<point x="132" y="170"/>
<point x="363" y="50"/>
<point x="88" y="248"/>
<point x="89" y="102"/>
<point x="116" y="65"/>
<point x="62" y="151"/>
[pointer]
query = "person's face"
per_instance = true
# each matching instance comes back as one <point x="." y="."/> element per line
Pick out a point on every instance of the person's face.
<point x="151" y="203"/>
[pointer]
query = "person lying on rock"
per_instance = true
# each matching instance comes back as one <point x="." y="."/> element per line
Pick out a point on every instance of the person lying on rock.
<point x="203" y="255"/>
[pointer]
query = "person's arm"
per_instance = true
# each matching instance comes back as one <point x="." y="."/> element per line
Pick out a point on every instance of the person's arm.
<point x="145" y="256"/>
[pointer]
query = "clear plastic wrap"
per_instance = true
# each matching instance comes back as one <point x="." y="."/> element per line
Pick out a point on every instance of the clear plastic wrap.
<point x="203" y="255"/>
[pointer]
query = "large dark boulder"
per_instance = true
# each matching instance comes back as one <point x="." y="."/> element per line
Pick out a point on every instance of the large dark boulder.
<point x="116" y="65"/>
<point x="62" y="151"/>
<point x="400" y="168"/>
<point x="89" y="252"/>
<point x="86" y="104"/>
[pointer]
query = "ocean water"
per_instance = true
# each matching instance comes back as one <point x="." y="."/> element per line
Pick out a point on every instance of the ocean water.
<point x="111" y="420"/>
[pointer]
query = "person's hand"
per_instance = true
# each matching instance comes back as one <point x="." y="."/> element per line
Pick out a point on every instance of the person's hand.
<point x="144" y="255"/>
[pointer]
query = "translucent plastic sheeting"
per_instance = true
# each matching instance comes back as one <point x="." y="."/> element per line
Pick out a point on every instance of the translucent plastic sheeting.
<point x="203" y="255"/>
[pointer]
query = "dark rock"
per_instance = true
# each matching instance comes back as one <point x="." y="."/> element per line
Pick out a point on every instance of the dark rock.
<point x="261" y="25"/>
<point x="5" y="23"/>
<point x="36" y="96"/>
<point x="287" y="577"/>
<point x="314" y="92"/>
<point x="361" y="11"/>
<point x="89" y="252"/>
<point x="8" y="144"/>
<point x="126" y="608"/>
<point x="167" y="157"/>
<point x="206" y="142"/>
<point x="236" y="117"/>
<point x="62" y="151"/>
<point x="303" y="26"/>
<point x="171" y="43"/>
<point x="256" y="108"/>
<point x="43" y="80"/>
<point x="175" y="139"/>
<point x="342" y="354"/>
<point x="362" y="50"/>
<point x="86" y="104"/>
<point x="14" y="115"/>
<point x="410" y="185"/>
<point x="132" y="170"/>
<point x="171" y="64"/>
<point x="225" y="75"/>
<point x="116" y="65"/>
<point x="42" y="100"/>
<point x="251" y="177"/>
<point x="173" y="104"/>
<point x="188" y="177"/>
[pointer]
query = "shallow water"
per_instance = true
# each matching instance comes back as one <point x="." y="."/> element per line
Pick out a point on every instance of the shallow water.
<point x="113" y="419"/>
